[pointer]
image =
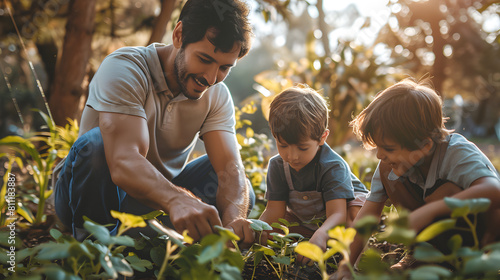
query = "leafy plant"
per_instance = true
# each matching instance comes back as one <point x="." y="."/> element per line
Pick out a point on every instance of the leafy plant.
<point x="280" y="253"/>
<point x="67" y="258"/>
<point x="40" y="160"/>
<point x="461" y="262"/>
<point x="341" y="239"/>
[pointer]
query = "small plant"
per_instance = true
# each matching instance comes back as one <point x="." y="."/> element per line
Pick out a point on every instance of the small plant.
<point x="280" y="253"/>
<point x="341" y="239"/>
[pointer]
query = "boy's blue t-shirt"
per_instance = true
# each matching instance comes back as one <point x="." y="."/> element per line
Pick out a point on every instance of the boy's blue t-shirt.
<point x="327" y="172"/>
<point x="462" y="164"/>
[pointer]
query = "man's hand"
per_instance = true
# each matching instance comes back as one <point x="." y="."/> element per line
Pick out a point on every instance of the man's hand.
<point x="242" y="228"/>
<point x="194" y="215"/>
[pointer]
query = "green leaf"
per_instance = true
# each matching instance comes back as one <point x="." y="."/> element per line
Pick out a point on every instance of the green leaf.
<point x="53" y="251"/>
<point x="98" y="231"/>
<point x="227" y="233"/>
<point x="234" y="258"/>
<point x="153" y="214"/>
<point x="258" y="257"/>
<point x="281" y="259"/>
<point x="157" y="255"/>
<point x="294" y="235"/>
<point x="258" y="225"/>
<point x="371" y="260"/>
<point x="259" y="248"/>
<point x="25" y="212"/>
<point x="467" y="252"/>
<point x="108" y="266"/>
<point x="79" y="249"/>
<point x="367" y="225"/>
<point x="228" y="272"/>
<point x="5" y="239"/>
<point x="122" y="240"/>
<point x="455" y="243"/>
<point x="310" y="250"/>
<point x="122" y="266"/>
<point x="397" y="234"/>
<point x="435" y="229"/>
<point x="484" y="264"/>
<point x="55" y="233"/>
<point x="285" y="222"/>
<point x="427" y="253"/>
<point x="430" y="272"/>
<point x="211" y="252"/>
<point x="138" y="264"/>
<point x="273" y="244"/>
<point x="463" y="207"/>
<point x="57" y="273"/>
<point x="27" y="252"/>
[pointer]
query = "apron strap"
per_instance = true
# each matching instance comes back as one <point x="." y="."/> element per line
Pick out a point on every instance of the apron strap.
<point x="288" y="175"/>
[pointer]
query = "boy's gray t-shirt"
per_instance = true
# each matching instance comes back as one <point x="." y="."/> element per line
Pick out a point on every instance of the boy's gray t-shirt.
<point x="327" y="172"/>
<point x="462" y="164"/>
<point x="131" y="81"/>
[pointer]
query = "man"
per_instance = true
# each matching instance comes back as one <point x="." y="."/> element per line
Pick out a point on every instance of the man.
<point x="146" y="107"/>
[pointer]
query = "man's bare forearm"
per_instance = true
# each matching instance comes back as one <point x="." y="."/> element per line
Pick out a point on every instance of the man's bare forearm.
<point x="232" y="193"/>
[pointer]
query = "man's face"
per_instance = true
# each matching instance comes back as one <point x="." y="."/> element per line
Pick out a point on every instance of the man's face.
<point x="200" y="65"/>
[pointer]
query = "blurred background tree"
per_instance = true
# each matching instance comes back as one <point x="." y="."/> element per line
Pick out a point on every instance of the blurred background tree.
<point x="349" y="56"/>
<point x="454" y="42"/>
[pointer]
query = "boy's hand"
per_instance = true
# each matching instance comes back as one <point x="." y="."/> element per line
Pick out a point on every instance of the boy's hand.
<point x="343" y="273"/>
<point x="319" y="238"/>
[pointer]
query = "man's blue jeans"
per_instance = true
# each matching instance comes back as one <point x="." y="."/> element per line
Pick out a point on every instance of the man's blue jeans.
<point x="85" y="188"/>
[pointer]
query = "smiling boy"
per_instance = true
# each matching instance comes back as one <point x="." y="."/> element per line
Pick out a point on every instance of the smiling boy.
<point x="421" y="162"/>
<point x="307" y="180"/>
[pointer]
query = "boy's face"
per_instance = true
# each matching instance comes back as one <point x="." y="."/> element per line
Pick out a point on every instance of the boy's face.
<point x="400" y="159"/>
<point x="299" y="155"/>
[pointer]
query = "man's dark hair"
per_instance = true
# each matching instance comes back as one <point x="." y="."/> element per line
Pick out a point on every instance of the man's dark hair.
<point x="228" y="19"/>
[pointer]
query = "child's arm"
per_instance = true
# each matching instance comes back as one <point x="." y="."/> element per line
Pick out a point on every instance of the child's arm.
<point x="485" y="187"/>
<point x="370" y="208"/>
<point x="336" y="213"/>
<point x="274" y="211"/>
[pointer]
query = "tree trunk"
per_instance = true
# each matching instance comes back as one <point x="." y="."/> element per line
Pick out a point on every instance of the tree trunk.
<point x="323" y="27"/>
<point x="160" y="25"/>
<point x="72" y="66"/>
<point x="47" y="49"/>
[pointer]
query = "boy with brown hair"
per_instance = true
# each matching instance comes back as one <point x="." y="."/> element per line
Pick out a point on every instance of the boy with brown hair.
<point x="421" y="162"/>
<point x="307" y="179"/>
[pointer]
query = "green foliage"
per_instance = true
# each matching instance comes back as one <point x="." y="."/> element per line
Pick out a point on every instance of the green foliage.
<point x="40" y="160"/>
<point x="397" y="229"/>
<point x="253" y="147"/>
<point x="451" y="260"/>
<point x="101" y="258"/>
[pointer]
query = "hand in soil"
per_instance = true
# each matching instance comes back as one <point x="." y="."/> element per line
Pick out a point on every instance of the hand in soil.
<point x="343" y="273"/>
<point x="241" y="227"/>
<point x="195" y="216"/>
<point x="319" y="238"/>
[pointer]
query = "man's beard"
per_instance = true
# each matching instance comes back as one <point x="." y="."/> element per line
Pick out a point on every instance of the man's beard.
<point x="182" y="77"/>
